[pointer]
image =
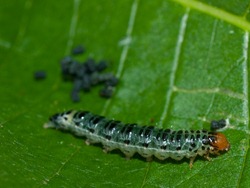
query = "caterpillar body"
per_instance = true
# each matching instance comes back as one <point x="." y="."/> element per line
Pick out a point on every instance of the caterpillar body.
<point x="148" y="141"/>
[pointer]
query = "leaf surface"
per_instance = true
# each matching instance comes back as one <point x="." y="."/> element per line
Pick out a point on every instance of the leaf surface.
<point x="179" y="65"/>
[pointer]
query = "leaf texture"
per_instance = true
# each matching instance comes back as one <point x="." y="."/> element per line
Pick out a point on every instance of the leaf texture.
<point x="180" y="64"/>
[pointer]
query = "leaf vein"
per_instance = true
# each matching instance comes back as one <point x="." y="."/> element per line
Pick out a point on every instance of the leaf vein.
<point x="180" y="39"/>
<point x="217" y="90"/>
<point x="73" y="25"/>
<point x="245" y="103"/>
<point x="125" y="47"/>
<point x="238" y="21"/>
<point x="57" y="173"/>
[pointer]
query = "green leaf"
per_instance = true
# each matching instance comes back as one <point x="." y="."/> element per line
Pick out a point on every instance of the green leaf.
<point x="181" y="64"/>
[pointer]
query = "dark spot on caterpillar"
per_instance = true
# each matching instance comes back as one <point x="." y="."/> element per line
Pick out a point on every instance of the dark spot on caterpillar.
<point x="167" y="130"/>
<point x="98" y="119"/>
<point x="127" y="129"/>
<point x="126" y="142"/>
<point x="111" y="125"/>
<point x="180" y="132"/>
<point x="148" y="131"/>
<point x="158" y="135"/>
<point x="141" y="130"/>
<point x="107" y="124"/>
<point x="77" y="123"/>
<point x="193" y="145"/>
<point x="212" y="138"/>
<point x="198" y="136"/>
<point x="192" y="138"/>
<point x="164" y="147"/>
<point x="172" y="136"/>
<point x="91" y="130"/>
<point x="203" y="147"/>
<point x="54" y="117"/>
<point x="190" y="149"/>
<point x="165" y="134"/>
<point x="204" y="137"/>
<point x="108" y="137"/>
<point x="186" y="134"/>
<point x="205" y="141"/>
<point x="65" y="118"/>
<point x="198" y="132"/>
<point x="145" y="145"/>
<point x="178" y="148"/>
<point x="91" y="119"/>
<point x="179" y="135"/>
<point x="80" y="115"/>
<point x="68" y="112"/>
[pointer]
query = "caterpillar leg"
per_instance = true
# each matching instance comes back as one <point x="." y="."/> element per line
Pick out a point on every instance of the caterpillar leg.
<point x="216" y="153"/>
<point x="90" y="141"/>
<point x="127" y="157"/>
<point x="149" y="159"/>
<point x="105" y="150"/>
<point x="128" y="154"/>
<point x="87" y="142"/>
<point x="191" y="162"/>
<point x="207" y="157"/>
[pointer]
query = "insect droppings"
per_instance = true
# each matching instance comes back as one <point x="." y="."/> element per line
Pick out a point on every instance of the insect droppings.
<point x="86" y="75"/>
<point x="215" y="125"/>
<point x="78" y="50"/>
<point x="40" y="75"/>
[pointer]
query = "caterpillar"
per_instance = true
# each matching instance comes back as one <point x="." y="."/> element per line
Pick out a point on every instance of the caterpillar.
<point x="148" y="141"/>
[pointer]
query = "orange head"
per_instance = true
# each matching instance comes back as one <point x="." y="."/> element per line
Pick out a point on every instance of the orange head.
<point x="219" y="142"/>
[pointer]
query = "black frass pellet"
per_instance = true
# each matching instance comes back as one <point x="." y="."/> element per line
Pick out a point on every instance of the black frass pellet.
<point x="40" y="75"/>
<point x="101" y="66"/>
<point x="78" y="50"/>
<point x="218" y="124"/>
<point x="97" y="78"/>
<point x="86" y="75"/>
<point x="90" y="66"/>
<point x="112" y="81"/>
<point x="106" y="92"/>
<point x="86" y="83"/>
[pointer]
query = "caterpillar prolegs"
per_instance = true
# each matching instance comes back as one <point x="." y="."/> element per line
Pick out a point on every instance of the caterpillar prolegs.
<point x="148" y="141"/>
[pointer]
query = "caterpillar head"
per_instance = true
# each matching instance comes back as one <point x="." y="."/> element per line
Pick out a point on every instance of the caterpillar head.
<point x="60" y="121"/>
<point x="219" y="143"/>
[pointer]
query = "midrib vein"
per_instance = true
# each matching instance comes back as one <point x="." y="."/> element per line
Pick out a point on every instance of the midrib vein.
<point x="238" y="21"/>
